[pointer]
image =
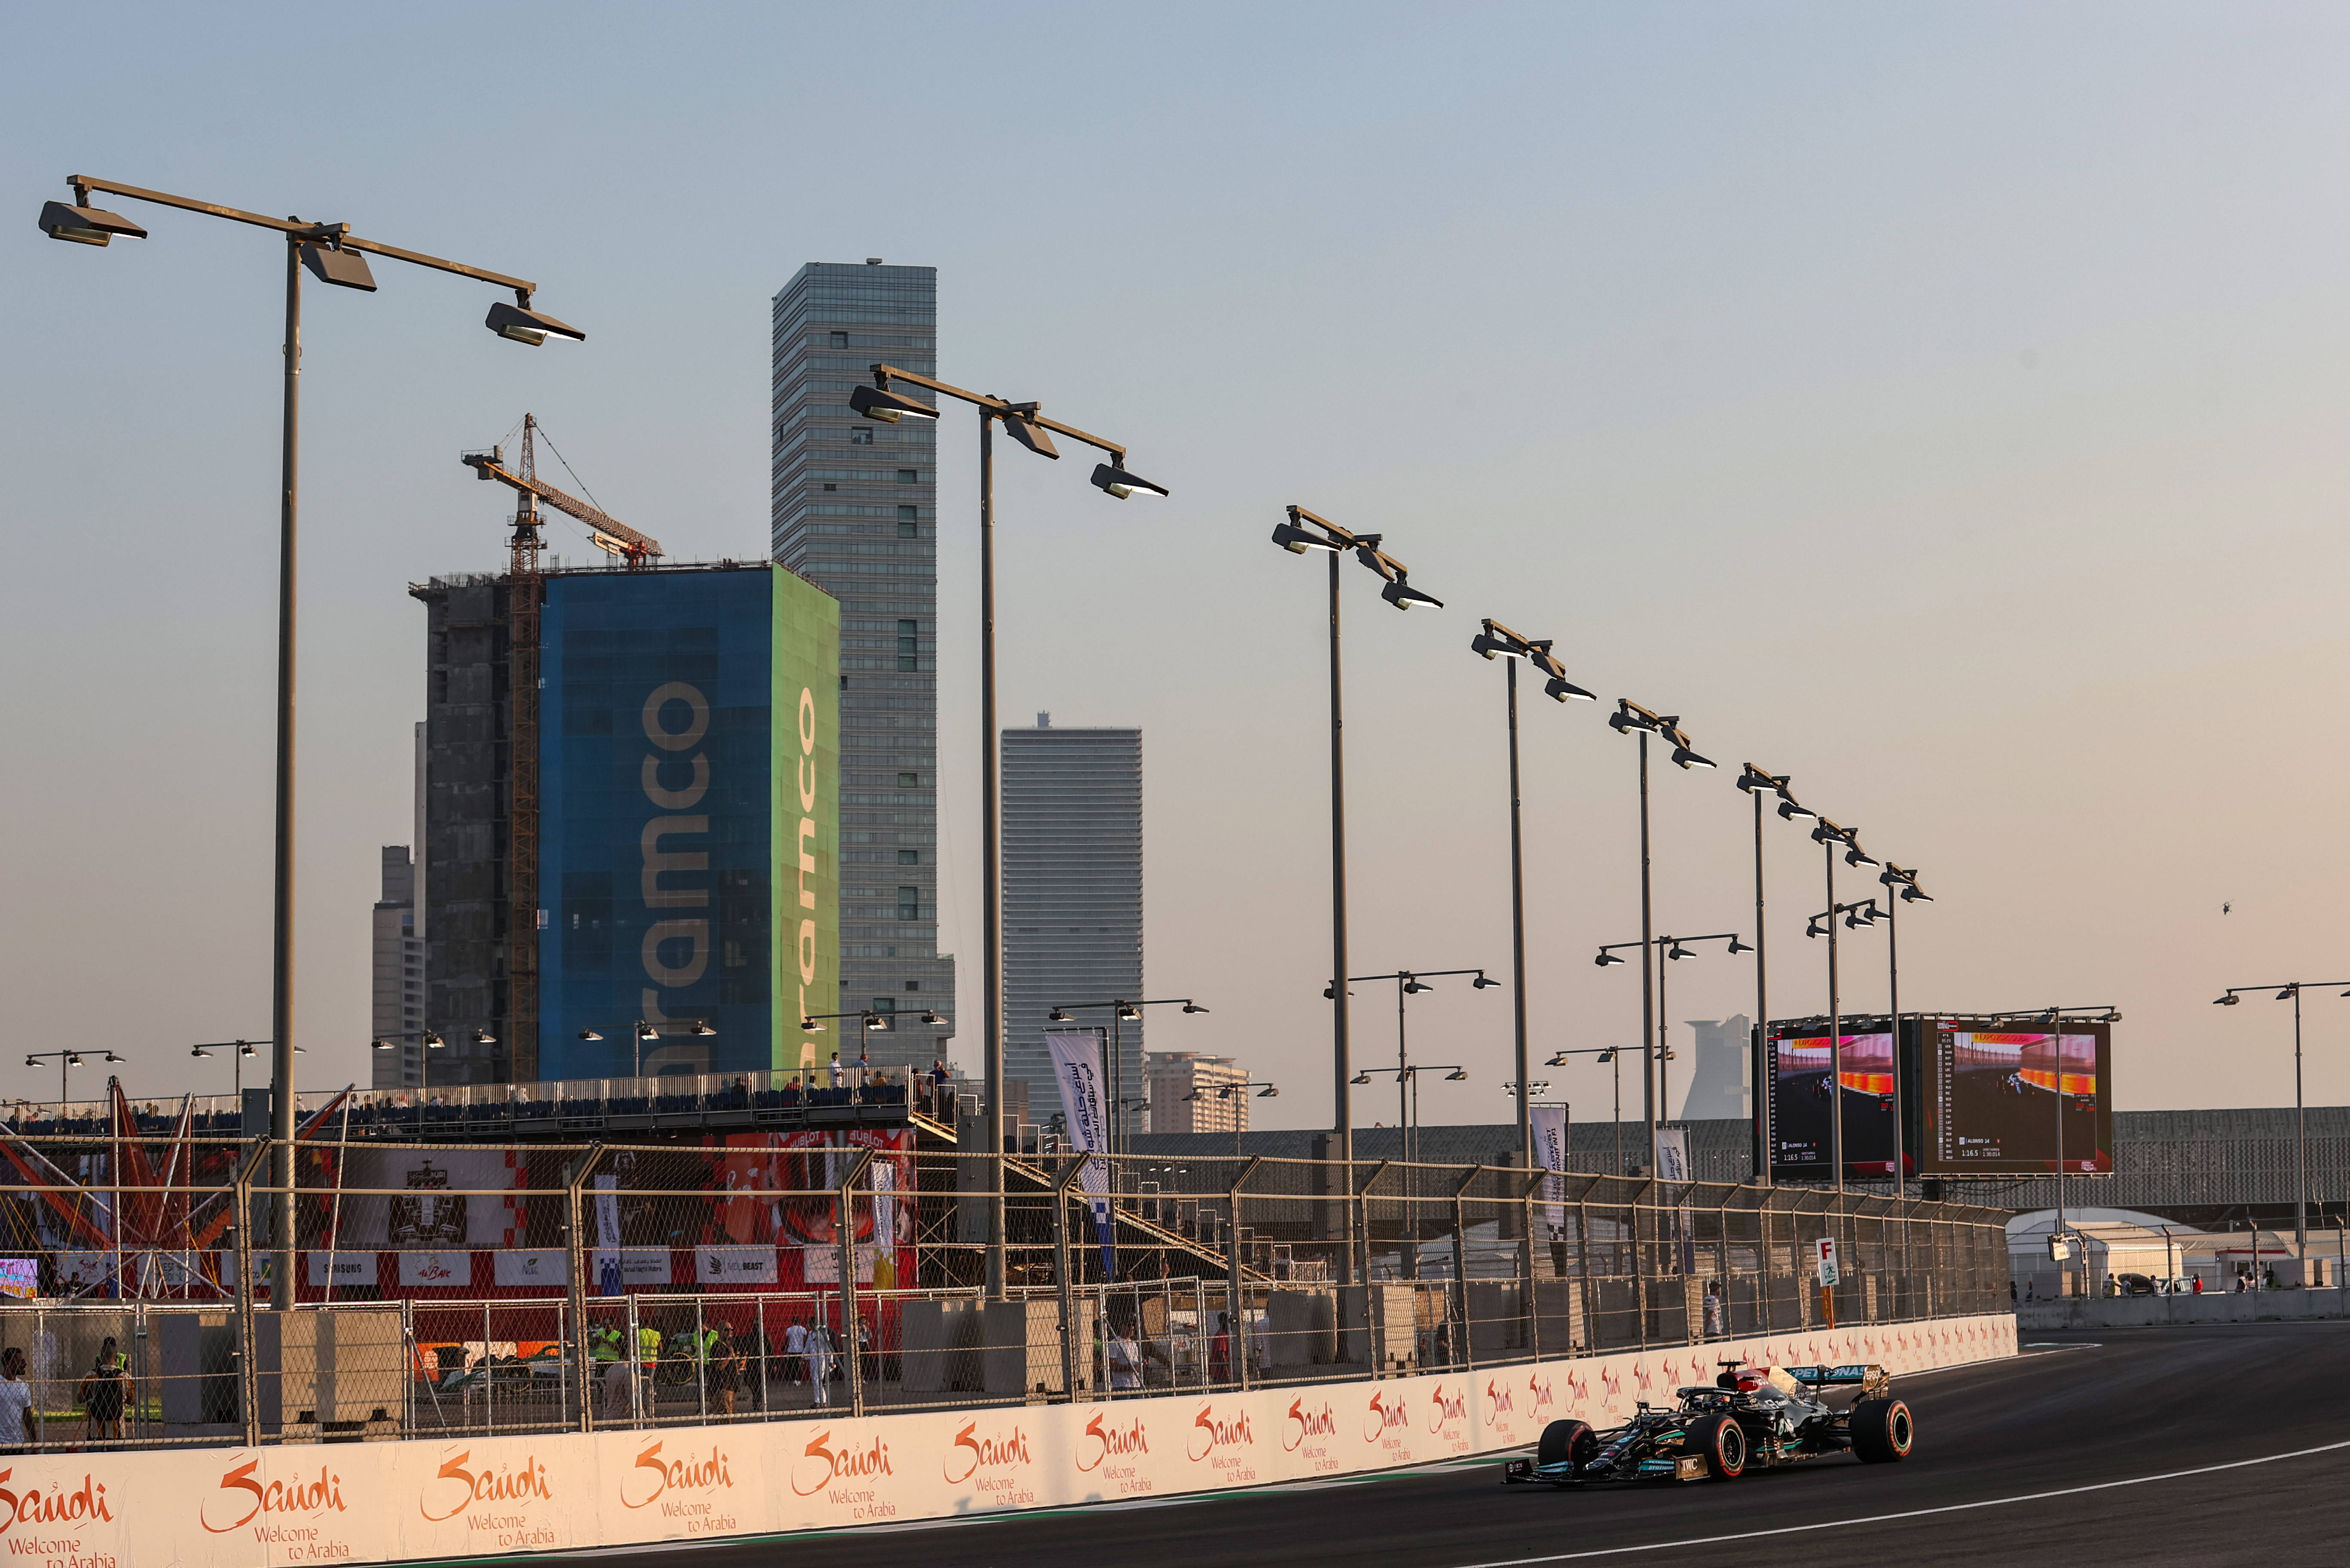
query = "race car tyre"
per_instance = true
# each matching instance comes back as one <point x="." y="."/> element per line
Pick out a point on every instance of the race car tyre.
<point x="1723" y="1443"/>
<point x="1882" y="1432"/>
<point x="1567" y="1442"/>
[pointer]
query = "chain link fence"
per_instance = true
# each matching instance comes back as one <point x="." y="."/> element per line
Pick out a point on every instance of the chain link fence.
<point x="475" y="1290"/>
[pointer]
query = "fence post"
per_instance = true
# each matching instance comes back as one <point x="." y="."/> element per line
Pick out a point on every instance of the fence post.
<point x="850" y="1349"/>
<point x="1532" y="1297"/>
<point x="408" y="1383"/>
<point x="1583" y="1271"/>
<point x="248" y="1381"/>
<point x="1235" y="1330"/>
<point x="576" y="1266"/>
<point x="636" y="1358"/>
<point x="1061" y="1274"/>
<point x="1461" y="1259"/>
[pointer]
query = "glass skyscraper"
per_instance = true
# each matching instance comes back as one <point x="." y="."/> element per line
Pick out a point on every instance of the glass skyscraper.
<point x="853" y="508"/>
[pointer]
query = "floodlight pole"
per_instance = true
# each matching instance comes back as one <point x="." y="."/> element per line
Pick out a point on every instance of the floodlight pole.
<point x="280" y="1086"/>
<point x="1341" y="1051"/>
<point x="1759" y="1049"/>
<point x="1518" y="932"/>
<point x="2300" y="1114"/>
<point x="1648" y="973"/>
<point x="991" y="408"/>
<point x="1835" y="1028"/>
<point x="1893" y="1003"/>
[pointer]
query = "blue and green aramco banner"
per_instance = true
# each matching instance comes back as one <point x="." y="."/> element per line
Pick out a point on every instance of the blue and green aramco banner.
<point x="689" y="830"/>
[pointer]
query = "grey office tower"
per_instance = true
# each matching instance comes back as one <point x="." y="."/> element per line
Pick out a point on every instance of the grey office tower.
<point x="855" y="510"/>
<point x="1072" y="898"/>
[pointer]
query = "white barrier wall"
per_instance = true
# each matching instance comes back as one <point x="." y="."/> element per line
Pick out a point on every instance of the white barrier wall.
<point x="376" y="1502"/>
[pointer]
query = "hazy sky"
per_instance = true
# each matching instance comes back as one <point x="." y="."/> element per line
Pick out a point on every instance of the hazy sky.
<point x="1943" y="404"/>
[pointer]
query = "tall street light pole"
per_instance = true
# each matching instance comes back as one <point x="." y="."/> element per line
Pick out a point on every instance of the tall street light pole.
<point x="1120" y="1012"/>
<point x="2290" y="988"/>
<point x="1303" y="532"/>
<point x="66" y="1060"/>
<point x="1757" y="782"/>
<point x="1025" y="424"/>
<point x="1903" y="882"/>
<point x="1631" y="719"/>
<point x="1499" y="641"/>
<point x="332" y="254"/>
<point x="1410" y="983"/>
<point x="1830" y="838"/>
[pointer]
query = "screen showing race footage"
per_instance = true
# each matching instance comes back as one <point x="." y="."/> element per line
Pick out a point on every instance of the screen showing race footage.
<point x="1802" y="1100"/>
<point x="2003" y="1101"/>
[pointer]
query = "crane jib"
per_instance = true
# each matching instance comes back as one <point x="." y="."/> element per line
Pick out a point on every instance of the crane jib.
<point x="633" y="544"/>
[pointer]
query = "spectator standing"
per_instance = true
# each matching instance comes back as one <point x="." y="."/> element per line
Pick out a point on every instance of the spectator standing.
<point x="819" y="1363"/>
<point x="20" y="1429"/>
<point x="1712" y="1309"/>
<point x="1125" y="1359"/>
<point x="103" y="1392"/>
<point x="795" y="1338"/>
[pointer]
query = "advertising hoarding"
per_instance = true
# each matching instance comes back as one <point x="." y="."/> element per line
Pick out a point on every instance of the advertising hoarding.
<point x="1996" y="1096"/>
<point x="689" y="835"/>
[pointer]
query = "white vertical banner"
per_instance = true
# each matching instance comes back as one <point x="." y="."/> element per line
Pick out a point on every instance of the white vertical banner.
<point x="1550" y="1123"/>
<point x="1672" y="1154"/>
<point x="1076" y="1067"/>
<point x="885" y="1202"/>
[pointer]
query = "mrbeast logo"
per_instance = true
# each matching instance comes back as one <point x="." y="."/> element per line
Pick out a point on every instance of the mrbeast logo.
<point x="1099" y="1441"/>
<point x="1307" y="1425"/>
<point x="823" y="1461"/>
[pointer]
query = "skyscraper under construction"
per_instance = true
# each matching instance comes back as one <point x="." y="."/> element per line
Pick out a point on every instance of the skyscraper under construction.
<point x="854" y="509"/>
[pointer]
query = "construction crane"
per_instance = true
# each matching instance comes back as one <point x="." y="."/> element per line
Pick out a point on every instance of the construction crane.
<point x="608" y="532"/>
<point x="525" y="590"/>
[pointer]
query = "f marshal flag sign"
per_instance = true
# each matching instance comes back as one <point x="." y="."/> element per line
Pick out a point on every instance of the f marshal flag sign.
<point x="1076" y="1067"/>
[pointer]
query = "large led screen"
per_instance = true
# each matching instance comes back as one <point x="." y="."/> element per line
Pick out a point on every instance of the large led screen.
<point x="1999" y="1102"/>
<point x="1802" y="1101"/>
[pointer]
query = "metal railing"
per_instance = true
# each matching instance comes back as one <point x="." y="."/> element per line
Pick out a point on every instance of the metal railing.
<point x="480" y="1289"/>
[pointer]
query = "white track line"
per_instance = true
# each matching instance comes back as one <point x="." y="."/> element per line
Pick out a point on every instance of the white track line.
<point x="1912" y="1513"/>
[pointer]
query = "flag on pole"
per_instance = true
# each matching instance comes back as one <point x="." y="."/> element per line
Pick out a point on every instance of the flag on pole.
<point x="1076" y="1067"/>
<point x="1550" y="1152"/>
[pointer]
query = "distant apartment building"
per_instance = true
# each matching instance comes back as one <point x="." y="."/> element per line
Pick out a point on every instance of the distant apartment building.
<point x="1721" y="1070"/>
<point x="1185" y="1098"/>
<point x="1072" y="896"/>
<point x="853" y="507"/>
<point x="397" y="1010"/>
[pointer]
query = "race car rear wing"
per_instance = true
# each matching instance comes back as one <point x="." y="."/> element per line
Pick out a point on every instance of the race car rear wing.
<point x="1869" y="1378"/>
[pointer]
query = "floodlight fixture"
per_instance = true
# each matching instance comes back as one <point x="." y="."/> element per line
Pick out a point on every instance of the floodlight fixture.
<point x="1403" y="595"/>
<point x="1738" y="947"/>
<point x="1458" y="1075"/>
<point x="1114" y="480"/>
<point x="1606" y="957"/>
<point x="1031" y="436"/>
<point x="2230" y="999"/>
<point x="380" y="1045"/>
<point x="2288" y="993"/>
<point x="433" y="1041"/>
<point x="523" y="325"/>
<point x="1297" y="541"/>
<point x="1685" y="758"/>
<point x="647" y="1032"/>
<point x="330" y="263"/>
<point x="1482" y="981"/>
<point x="1362" y="1077"/>
<point x="888" y="407"/>
<point x="1129" y="1012"/>
<point x="1414" y="987"/>
<point x="589" y="1034"/>
<point x="1268" y="1091"/>
<point x="1190" y="1006"/>
<point x="1059" y="1015"/>
<point x="810" y="1026"/>
<point x="1793" y="812"/>
<point x="1677" y="952"/>
<point x="85" y="225"/>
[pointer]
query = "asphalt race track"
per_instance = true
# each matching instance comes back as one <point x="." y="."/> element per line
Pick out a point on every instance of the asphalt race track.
<point x="2000" y="1451"/>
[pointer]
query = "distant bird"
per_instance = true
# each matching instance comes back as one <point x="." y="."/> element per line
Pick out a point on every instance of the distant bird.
<point x="2225" y="907"/>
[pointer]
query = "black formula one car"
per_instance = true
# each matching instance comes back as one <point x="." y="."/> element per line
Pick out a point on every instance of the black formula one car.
<point x="1751" y="1419"/>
